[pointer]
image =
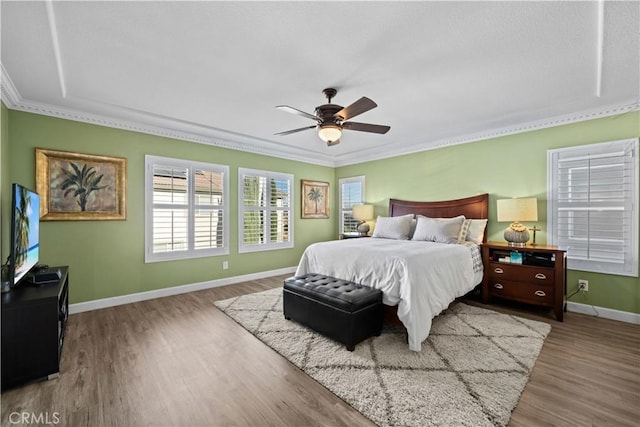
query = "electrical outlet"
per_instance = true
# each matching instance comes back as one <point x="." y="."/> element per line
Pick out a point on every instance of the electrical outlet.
<point x="583" y="285"/>
<point x="225" y="265"/>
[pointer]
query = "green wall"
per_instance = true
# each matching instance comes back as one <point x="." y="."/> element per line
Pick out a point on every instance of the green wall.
<point x="106" y="258"/>
<point x="505" y="167"/>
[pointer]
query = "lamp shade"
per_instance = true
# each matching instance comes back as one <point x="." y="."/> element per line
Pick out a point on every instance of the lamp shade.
<point x="329" y="132"/>
<point x="525" y="209"/>
<point x="362" y="212"/>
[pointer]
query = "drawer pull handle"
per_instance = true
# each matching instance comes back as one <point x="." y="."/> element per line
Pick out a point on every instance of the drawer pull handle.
<point x="540" y="293"/>
<point x="498" y="286"/>
<point x="498" y="270"/>
<point x="540" y="276"/>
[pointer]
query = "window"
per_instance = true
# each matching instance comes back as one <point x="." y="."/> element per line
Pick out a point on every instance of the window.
<point x="593" y="205"/>
<point x="186" y="209"/>
<point x="265" y="210"/>
<point x="351" y="193"/>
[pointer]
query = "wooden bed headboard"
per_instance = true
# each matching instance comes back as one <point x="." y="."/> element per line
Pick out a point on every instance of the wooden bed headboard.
<point x="475" y="207"/>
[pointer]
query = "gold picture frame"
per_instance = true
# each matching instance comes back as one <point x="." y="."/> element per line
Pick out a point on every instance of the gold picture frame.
<point x="315" y="199"/>
<point x="74" y="186"/>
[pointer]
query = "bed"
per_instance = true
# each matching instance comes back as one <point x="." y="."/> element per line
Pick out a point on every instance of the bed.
<point x="418" y="278"/>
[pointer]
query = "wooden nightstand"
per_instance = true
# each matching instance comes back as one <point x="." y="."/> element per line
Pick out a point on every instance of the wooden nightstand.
<point x="539" y="279"/>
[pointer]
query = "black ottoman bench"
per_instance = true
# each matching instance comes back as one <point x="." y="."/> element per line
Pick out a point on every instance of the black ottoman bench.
<point x="344" y="311"/>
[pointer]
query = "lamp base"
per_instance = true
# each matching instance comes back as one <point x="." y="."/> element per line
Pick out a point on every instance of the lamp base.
<point x="363" y="229"/>
<point x="516" y="244"/>
<point x="516" y="238"/>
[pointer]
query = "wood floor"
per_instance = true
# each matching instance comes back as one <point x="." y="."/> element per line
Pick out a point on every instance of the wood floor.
<point x="178" y="361"/>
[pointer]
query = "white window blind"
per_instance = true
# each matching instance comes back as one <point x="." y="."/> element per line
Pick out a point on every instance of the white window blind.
<point x="185" y="209"/>
<point x="593" y="205"/>
<point x="351" y="194"/>
<point x="265" y="210"/>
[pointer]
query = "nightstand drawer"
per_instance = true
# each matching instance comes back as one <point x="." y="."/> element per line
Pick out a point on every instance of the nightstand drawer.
<point x="527" y="292"/>
<point x="517" y="272"/>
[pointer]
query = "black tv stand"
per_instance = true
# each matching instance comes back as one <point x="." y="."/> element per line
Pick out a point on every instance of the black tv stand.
<point x="34" y="318"/>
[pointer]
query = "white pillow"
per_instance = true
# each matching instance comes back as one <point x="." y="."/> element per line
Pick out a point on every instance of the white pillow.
<point x="476" y="230"/>
<point x="441" y="230"/>
<point x="393" y="227"/>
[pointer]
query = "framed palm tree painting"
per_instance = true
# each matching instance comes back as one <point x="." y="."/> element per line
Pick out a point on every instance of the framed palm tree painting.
<point x="74" y="186"/>
<point x="315" y="199"/>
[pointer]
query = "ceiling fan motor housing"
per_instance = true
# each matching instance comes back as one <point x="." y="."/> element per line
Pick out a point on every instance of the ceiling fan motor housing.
<point x="326" y="113"/>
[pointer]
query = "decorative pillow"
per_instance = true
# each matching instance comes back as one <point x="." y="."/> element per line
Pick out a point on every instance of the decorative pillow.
<point x="441" y="230"/>
<point x="464" y="230"/>
<point x="393" y="227"/>
<point x="476" y="230"/>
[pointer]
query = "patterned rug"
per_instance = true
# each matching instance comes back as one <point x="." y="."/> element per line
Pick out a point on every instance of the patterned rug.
<point x="471" y="371"/>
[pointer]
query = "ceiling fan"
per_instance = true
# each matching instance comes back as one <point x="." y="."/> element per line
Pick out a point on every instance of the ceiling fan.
<point x="332" y="119"/>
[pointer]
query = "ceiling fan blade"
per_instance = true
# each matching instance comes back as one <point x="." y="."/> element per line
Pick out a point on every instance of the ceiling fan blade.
<point x="362" y="105"/>
<point x="287" y="132"/>
<point x="296" y="112"/>
<point x="366" y="127"/>
<point x="330" y="143"/>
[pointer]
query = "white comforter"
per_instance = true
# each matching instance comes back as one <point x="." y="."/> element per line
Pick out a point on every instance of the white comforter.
<point x="422" y="278"/>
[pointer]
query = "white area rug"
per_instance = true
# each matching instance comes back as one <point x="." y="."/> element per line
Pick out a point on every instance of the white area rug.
<point x="471" y="371"/>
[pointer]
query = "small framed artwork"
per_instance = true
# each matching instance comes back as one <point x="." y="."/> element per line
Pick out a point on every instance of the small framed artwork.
<point x="74" y="186"/>
<point x="315" y="199"/>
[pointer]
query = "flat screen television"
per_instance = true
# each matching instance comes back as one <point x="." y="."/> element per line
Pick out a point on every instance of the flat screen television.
<point x="25" y="233"/>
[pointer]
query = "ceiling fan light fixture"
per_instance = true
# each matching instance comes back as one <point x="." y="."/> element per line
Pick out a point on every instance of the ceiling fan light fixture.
<point x="329" y="132"/>
<point x="331" y="119"/>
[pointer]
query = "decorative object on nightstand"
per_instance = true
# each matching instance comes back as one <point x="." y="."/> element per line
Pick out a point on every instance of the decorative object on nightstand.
<point x="515" y="210"/>
<point x="534" y="229"/>
<point x="363" y="213"/>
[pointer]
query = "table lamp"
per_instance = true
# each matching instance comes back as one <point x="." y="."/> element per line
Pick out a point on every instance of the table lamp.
<point x="362" y="213"/>
<point x="515" y="210"/>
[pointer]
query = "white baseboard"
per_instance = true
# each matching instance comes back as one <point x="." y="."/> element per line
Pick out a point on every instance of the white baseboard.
<point x="607" y="313"/>
<point x="174" y="290"/>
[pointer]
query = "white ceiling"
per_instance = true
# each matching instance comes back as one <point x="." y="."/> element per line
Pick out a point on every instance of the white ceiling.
<point x="441" y="72"/>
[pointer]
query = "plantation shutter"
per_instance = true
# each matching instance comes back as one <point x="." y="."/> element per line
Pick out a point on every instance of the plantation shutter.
<point x="593" y="204"/>
<point x="254" y="220"/>
<point x="208" y="209"/>
<point x="280" y="206"/>
<point x="351" y="194"/>
<point x="186" y="209"/>
<point x="170" y="208"/>
<point x="265" y="210"/>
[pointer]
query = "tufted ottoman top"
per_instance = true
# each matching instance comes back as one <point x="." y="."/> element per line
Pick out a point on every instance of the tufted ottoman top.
<point x="339" y="293"/>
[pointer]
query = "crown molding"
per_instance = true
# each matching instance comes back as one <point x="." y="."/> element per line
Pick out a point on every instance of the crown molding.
<point x="162" y="126"/>
<point x="8" y="93"/>
<point x="385" y="153"/>
<point x="181" y="130"/>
